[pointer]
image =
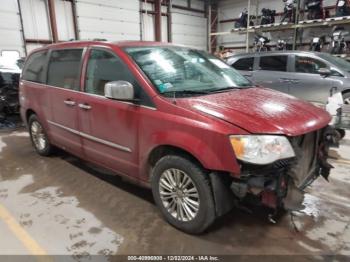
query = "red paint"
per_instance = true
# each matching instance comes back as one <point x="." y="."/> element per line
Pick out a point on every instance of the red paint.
<point x="199" y="125"/>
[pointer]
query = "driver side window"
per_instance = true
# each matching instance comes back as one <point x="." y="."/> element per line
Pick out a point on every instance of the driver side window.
<point x="308" y="65"/>
<point x="103" y="67"/>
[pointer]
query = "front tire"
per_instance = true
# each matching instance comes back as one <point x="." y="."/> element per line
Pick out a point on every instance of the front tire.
<point x="182" y="192"/>
<point x="39" y="137"/>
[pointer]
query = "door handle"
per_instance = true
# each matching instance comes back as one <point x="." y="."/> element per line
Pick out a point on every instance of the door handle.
<point x="285" y="80"/>
<point x="85" y="106"/>
<point x="295" y="81"/>
<point x="69" y="102"/>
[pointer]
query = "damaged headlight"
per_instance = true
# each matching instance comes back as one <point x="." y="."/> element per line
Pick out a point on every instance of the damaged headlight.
<point x="261" y="149"/>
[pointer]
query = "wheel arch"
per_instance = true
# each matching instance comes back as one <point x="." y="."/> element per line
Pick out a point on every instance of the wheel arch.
<point x="346" y="91"/>
<point x="162" y="150"/>
<point x="219" y="181"/>
<point x="211" y="151"/>
<point x="29" y="112"/>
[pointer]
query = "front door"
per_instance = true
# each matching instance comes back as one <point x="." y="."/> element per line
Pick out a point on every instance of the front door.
<point x="64" y="83"/>
<point x="109" y="128"/>
<point x="308" y="84"/>
<point x="273" y="72"/>
<point x="245" y="66"/>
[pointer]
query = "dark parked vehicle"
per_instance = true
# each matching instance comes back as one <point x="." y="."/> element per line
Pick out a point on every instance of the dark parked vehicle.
<point x="307" y="75"/>
<point x="9" y="81"/>
<point x="177" y="120"/>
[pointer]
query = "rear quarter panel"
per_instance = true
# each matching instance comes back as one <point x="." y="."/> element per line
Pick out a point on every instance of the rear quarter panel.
<point x="35" y="97"/>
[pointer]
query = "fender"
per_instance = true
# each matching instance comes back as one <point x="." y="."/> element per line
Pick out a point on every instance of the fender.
<point x="220" y="159"/>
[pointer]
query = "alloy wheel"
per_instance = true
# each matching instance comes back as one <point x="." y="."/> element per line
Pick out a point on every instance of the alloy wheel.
<point x="179" y="194"/>
<point x="38" y="135"/>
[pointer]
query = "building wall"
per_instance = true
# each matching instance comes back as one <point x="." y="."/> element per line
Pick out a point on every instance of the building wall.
<point x="113" y="20"/>
<point x="229" y="9"/>
<point x="109" y="19"/>
<point x="147" y="23"/>
<point x="10" y="28"/>
<point x="189" y="28"/>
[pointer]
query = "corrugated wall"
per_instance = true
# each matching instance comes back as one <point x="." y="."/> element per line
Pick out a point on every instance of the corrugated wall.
<point x="107" y="19"/>
<point x="10" y="28"/>
<point x="147" y="23"/>
<point x="189" y="28"/>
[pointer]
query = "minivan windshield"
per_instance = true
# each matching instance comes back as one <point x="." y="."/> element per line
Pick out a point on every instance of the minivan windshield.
<point x="337" y="61"/>
<point x="186" y="71"/>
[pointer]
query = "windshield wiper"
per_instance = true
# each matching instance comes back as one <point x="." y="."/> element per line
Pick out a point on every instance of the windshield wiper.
<point x="190" y="92"/>
<point x="219" y="90"/>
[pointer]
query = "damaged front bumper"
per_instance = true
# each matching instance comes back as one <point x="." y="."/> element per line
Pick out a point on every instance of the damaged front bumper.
<point x="282" y="183"/>
<point x="339" y="110"/>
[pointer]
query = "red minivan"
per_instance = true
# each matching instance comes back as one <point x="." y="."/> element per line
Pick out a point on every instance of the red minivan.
<point x="178" y="120"/>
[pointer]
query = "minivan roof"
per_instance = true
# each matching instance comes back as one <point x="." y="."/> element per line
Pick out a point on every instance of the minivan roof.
<point x="104" y="43"/>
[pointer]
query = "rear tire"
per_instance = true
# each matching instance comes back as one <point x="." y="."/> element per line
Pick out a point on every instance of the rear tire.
<point x="39" y="137"/>
<point x="183" y="194"/>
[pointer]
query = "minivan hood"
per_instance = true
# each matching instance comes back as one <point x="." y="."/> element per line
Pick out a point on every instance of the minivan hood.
<point x="260" y="111"/>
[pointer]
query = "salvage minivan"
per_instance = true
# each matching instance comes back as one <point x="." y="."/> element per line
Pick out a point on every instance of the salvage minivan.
<point x="177" y="120"/>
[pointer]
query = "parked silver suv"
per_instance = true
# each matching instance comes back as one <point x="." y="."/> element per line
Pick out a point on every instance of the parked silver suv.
<point x="307" y="75"/>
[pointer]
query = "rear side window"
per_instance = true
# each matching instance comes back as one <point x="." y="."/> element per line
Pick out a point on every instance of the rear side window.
<point x="64" y="68"/>
<point x="245" y="64"/>
<point x="274" y="63"/>
<point x="308" y="65"/>
<point x="35" y="67"/>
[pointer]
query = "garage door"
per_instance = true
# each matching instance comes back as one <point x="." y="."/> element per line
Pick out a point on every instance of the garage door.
<point x="189" y="28"/>
<point x="108" y="19"/>
<point x="10" y="28"/>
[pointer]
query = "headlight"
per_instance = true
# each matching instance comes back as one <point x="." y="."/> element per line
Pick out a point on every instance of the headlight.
<point x="261" y="149"/>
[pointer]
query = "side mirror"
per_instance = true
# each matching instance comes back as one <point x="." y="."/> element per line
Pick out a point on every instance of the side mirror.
<point x="325" y="72"/>
<point x="120" y="90"/>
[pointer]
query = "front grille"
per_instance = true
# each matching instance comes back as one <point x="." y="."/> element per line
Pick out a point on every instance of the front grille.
<point x="306" y="148"/>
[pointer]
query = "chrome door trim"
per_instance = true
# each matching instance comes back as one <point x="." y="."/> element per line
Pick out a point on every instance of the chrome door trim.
<point x="69" y="102"/>
<point x="99" y="96"/>
<point x="105" y="142"/>
<point x="64" y="127"/>
<point x="85" y="106"/>
<point x="93" y="138"/>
